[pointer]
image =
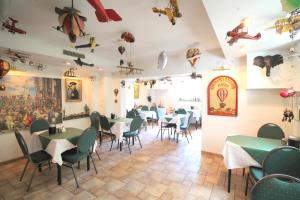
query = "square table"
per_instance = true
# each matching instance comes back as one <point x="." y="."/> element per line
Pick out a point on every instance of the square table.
<point x="176" y="119"/>
<point x="242" y="151"/>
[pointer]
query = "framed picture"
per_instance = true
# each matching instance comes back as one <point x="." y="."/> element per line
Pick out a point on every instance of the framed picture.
<point x="136" y="91"/>
<point x="222" y="94"/>
<point x="73" y="89"/>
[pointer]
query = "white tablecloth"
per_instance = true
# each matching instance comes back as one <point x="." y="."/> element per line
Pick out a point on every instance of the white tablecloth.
<point x="119" y="128"/>
<point x="236" y="157"/>
<point x="196" y="114"/>
<point x="147" y="114"/>
<point x="176" y="119"/>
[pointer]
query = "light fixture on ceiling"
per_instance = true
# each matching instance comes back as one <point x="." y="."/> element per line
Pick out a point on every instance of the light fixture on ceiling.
<point x="70" y="73"/>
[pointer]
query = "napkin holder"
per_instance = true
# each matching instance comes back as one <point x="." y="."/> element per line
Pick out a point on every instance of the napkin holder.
<point x="52" y="129"/>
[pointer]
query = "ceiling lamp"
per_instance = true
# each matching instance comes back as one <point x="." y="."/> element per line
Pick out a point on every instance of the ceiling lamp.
<point x="4" y="68"/>
<point x="70" y="73"/>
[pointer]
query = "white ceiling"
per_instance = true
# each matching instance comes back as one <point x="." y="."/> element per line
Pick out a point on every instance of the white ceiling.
<point x="227" y="14"/>
<point x="153" y="34"/>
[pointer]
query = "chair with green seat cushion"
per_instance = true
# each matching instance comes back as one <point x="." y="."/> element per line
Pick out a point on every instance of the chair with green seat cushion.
<point x="82" y="151"/>
<point x="135" y="111"/>
<point x="282" y="160"/>
<point x="185" y="127"/>
<point x="276" y="187"/>
<point x="271" y="131"/>
<point x="39" y="125"/>
<point x="38" y="159"/>
<point x="134" y="131"/>
<point x="106" y="128"/>
<point x="156" y="117"/>
<point x="95" y="122"/>
<point x="145" y="108"/>
<point x="130" y="114"/>
<point x="181" y="111"/>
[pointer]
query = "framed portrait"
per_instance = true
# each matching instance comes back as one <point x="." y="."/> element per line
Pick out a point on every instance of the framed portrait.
<point x="73" y="88"/>
<point x="222" y="94"/>
<point x="136" y="91"/>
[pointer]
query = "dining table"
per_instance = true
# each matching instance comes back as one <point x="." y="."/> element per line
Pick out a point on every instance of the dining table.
<point x="119" y="126"/>
<point x="241" y="151"/>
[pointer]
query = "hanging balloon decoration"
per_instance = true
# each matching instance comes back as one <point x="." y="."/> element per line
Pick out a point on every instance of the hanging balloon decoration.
<point x="288" y="94"/>
<point x="193" y="55"/>
<point x="116" y="92"/>
<point x="4" y="68"/>
<point x="222" y="94"/>
<point x="162" y="60"/>
<point x="128" y="37"/>
<point x="121" y="49"/>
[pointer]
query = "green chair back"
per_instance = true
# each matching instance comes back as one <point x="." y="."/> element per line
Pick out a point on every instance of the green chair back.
<point x="39" y="125"/>
<point x="145" y="108"/>
<point x="22" y="143"/>
<point x="104" y="123"/>
<point x="95" y="120"/>
<point x="276" y="187"/>
<point x="130" y="114"/>
<point x="282" y="160"/>
<point x="154" y="108"/>
<point x="135" y="112"/>
<point x="190" y="118"/>
<point x="181" y="111"/>
<point x="271" y="131"/>
<point x="86" y="140"/>
<point x="136" y="124"/>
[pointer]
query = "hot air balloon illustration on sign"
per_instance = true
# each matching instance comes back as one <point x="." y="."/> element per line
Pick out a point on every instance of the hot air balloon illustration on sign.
<point x="222" y="96"/>
<point x="193" y="55"/>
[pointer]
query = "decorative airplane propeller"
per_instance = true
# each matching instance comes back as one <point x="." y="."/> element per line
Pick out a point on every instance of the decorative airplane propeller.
<point x="92" y="45"/>
<point x="71" y="22"/>
<point x="102" y="14"/>
<point x="81" y="63"/>
<point x="172" y="11"/>
<point x="11" y="27"/>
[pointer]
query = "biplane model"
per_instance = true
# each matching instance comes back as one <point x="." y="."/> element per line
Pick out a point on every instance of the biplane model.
<point x="130" y="69"/>
<point x="172" y="11"/>
<point x="92" y="45"/>
<point x="10" y="25"/>
<point x="17" y="56"/>
<point x="240" y="32"/>
<point x="81" y="63"/>
<point x="102" y="14"/>
<point x="289" y="24"/>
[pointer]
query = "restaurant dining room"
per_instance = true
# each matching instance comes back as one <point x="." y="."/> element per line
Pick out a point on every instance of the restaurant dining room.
<point x="150" y="99"/>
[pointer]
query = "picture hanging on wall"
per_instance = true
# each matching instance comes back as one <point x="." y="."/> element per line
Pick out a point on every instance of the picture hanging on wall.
<point x="136" y="91"/>
<point x="73" y="90"/>
<point x="28" y="98"/>
<point x="222" y="94"/>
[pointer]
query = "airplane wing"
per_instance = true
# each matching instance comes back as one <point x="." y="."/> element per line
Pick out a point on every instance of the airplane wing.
<point x="113" y="15"/>
<point x="245" y="35"/>
<point x="104" y="15"/>
<point x="236" y="29"/>
<point x="232" y="40"/>
<point x="83" y="46"/>
<point x="160" y="11"/>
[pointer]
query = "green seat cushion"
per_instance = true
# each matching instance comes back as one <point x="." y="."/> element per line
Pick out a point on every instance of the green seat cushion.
<point x="184" y="127"/>
<point x="40" y="156"/>
<point x="72" y="156"/>
<point x="129" y="134"/>
<point x="256" y="173"/>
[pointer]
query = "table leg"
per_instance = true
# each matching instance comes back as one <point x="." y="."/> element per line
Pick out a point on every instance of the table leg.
<point x="132" y="140"/>
<point x="88" y="163"/>
<point x="229" y="180"/>
<point x="161" y="131"/>
<point x="100" y="137"/>
<point x="40" y="168"/>
<point x="121" y="144"/>
<point x="58" y="174"/>
<point x="196" y="124"/>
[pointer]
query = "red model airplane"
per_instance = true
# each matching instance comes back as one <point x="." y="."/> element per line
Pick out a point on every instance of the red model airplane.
<point x="11" y="27"/>
<point x="104" y="15"/>
<point x="239" y="32"/>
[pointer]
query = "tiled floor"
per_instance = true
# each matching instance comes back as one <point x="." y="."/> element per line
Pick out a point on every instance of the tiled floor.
<point x="161" y="170"/>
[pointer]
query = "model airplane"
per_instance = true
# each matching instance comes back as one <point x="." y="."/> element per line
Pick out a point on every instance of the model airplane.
<point x="92" y="44"/>
<point x="71" y="22"/>
<point x="172" y="11"/>
<point x="130" y="69"/>
<point x="102" y="14"/>
<point x="240" y="32"/>
<point x="17" y="56"/>
<point x="10" y="25"/>
<point x="195" y="76"/>
<point x="290" y="24"/>
<point x="81" y="63"/>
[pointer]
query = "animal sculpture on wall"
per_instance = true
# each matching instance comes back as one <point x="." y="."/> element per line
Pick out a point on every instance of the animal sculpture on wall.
<point x="71" y="22"/>
<point x="288" y="115"/>
<point x="268" y="62"/>
<point x="92" y="45"/>
<point x="102" y="14"/>
<point x="171" y="11"/>
<point x="241" y="32"/>
<point x="10" y="25"/>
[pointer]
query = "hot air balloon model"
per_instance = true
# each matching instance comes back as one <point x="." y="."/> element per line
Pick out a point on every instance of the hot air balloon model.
<point x="288" y="94"/>
<point x="193" y="55"/>
<point x="128" y="37"/>
<point x="116" y="92"/>
<point x="71" y="22"/>
<point x="121" y="49"/>
<point x="4" y="68"/>
<point x="222" y="94"/>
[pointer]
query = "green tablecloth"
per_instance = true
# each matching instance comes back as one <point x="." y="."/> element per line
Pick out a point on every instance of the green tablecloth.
<point x="256" y="147"/>
<point x="71" y="134"/>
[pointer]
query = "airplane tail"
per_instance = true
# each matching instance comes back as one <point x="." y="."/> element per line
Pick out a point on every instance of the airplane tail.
<point x="13" y="20"/>
<point x="257" y="36"/>
<point x="113" y="15"/>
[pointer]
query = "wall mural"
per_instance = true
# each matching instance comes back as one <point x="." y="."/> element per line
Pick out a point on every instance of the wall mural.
<point x="28" y="98"/>
<point x="222" y="96"/>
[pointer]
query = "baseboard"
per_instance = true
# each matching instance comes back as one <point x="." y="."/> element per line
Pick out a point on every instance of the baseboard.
<point x="10" y="161"/>
<point x="211" y="153"/>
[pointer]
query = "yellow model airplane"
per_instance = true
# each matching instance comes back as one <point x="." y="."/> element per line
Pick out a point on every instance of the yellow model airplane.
<point x="290" y="24"/>
<point x="172" y="11"/>
<point x="92" y="44"/>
